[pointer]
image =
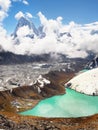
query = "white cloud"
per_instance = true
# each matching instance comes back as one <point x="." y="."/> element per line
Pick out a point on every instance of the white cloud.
<point x="5" y="4"/>
<point x="23" y="1"/>
<point x="2" y="15"/>
<point x="56" y="40"/>
<point x="23" y="31"/>
<point x="4" y="7"/>
<point x="50" y="26"/>
<point x="24" y="47"/>
<point x="76" y="46"/>
<point x="19" y="15"/>
<point x="5" y="41"/>
<point x="29" y="15"/>
<point x="43" y="19"/>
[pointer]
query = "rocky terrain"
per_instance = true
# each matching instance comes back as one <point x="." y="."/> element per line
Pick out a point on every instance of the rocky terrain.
<point x="25" y="97"/>
<point x="25" y="79"/>
<point x="11" y="121"/>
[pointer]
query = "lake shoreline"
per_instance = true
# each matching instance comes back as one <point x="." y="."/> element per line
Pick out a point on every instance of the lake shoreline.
<point x="11" y="120"/>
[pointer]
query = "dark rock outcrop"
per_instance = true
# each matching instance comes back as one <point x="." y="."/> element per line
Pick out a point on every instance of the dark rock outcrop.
<point x="92" y="63"/>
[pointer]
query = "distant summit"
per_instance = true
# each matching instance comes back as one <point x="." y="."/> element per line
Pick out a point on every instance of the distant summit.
<point x="23" y="22"/>
<point x="26" y="22"/>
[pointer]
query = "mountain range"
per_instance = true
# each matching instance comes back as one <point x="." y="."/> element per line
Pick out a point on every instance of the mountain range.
<point x="23" y="22"/>
<point x="7" y="57"/>
<point x="92" y="63"/>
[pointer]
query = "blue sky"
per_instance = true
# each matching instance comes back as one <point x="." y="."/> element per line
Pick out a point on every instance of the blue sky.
<point x="79" y="11"/>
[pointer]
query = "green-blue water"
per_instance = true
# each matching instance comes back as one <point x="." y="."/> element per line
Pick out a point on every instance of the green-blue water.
<point x="71" y="104"/>
<point x="84" y="70"/>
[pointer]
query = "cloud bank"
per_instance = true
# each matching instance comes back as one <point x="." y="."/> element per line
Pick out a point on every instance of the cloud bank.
<point x="73" y="40"/>
<point x="21" y="14"/>
<point x="4" y="7"/>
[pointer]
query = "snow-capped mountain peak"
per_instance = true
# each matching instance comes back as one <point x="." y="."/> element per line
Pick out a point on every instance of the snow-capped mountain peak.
<point x="23" y="22"/>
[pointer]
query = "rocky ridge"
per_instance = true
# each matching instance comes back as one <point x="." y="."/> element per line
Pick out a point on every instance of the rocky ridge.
<point x="25" y="97"/>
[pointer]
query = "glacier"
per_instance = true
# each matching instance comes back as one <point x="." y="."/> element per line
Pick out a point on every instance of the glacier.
<point x="86" y="82"/>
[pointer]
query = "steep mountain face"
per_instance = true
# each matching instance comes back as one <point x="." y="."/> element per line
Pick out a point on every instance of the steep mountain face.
<point x="93" y="63"/>
<point x="25" y="22"/>
<point x="38" y="32"/>
<point x="41" y="32"/>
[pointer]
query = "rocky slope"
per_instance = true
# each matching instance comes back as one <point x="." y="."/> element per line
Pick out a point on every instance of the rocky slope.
<point x="93" y="63"/>
<point x="25" y="97"/>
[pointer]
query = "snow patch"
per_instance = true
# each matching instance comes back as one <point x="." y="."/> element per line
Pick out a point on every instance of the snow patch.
<point x="42" y="82"/>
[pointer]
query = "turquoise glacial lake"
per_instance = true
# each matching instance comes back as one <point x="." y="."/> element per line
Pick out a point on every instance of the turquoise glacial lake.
<point x="71" y="104"/>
